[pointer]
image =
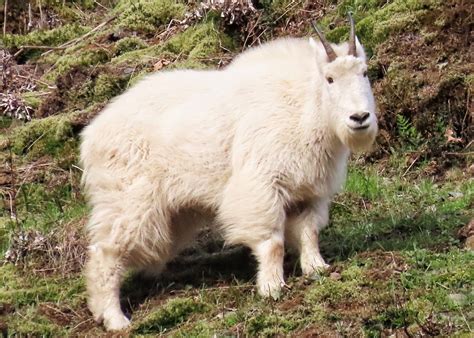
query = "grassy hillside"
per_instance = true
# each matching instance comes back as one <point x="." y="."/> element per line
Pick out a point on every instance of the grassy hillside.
<point x="401" y="234"/>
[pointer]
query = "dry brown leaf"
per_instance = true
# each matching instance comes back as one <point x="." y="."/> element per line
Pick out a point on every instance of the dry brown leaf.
<point x="450" y="138"/>
<point x="160" y="64"/>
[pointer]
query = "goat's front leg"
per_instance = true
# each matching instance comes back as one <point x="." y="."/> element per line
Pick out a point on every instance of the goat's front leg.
<point x="302" y="233"/>
<point x="269" y="254"/>
<point x="252" y="214"/>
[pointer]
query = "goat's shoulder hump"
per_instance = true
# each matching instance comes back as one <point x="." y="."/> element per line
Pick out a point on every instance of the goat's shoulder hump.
<point x="283" y="49"/>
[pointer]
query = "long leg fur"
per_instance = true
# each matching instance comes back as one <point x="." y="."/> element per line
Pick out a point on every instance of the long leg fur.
<point x="302" y="233"/>
<point x="252" y="214"/>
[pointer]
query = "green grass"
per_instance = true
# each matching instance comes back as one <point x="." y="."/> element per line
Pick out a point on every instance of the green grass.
<point x="396" y="265"/>
<point x="390" y="213"/>
<point x="170" y="315"/>
<point x="24" y="295"/>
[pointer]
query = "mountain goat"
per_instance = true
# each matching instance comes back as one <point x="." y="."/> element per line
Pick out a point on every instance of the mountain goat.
<point x="257" y="149"/>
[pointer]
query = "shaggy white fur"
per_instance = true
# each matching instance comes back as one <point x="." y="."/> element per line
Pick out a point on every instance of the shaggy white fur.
<point x="258" y="149"/>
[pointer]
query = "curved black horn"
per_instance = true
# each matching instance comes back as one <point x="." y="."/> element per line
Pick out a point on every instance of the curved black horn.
<point x="352" y="42"/>
<point x="329" y="51"/>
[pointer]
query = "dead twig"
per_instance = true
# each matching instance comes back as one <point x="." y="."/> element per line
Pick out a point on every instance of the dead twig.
<point x="469" y="153"/>
<point x="39" y="81"/>
<point x="5" y="8"/>
<point x="30" y="17"/>
<point x="41" y="47"/>
<point x="81" y="38"/>
<point x="83" y="322"/>
<point x="411" y="165"/>
<point x="41" y="22"/>
<point x="98" y="3"/>
<point x="75" y="41"/>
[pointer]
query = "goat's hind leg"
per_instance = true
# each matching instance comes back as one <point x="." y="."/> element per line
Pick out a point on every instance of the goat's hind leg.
<point x="184" y="228"/>
<point x="121" y="240"/>
<point x="104" y="274"/>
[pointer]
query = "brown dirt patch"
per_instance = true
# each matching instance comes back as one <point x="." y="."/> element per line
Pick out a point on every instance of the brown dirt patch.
<point x="79" y="319"/>
<point x="289" y="304"/>
<point x="427" y="84"/>
<point x="466" y="235"/>
<point x="384" y="265"/>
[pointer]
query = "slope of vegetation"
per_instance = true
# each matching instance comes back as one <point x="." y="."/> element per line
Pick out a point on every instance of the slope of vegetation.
<point x="400" y="239"/>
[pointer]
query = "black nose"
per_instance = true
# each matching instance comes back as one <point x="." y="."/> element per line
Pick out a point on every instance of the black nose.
<point x="360" y="117"/>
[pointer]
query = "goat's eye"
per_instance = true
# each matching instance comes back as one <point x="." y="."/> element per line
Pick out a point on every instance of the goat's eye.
<point x="365" y="74"/>
<point x="330" y="79"/>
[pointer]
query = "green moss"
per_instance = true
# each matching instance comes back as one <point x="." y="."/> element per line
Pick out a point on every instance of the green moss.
<point x="270" y="325"/>
<point x="333" y="292"/>
<point x="79" y="58"/>
<point x="135" y="78"/>
<point x="30" y="323"/>
<point x="187" y="64"/>
<point x="173" y="313"/>
<point x="41" y="137"/>
<point x="53" y="37"/>
<point x="139" y="57"/>
<point x="147" y="15"/>
<point x="376" y="20"/>
<point x="189" y="47"/>
<point x="129" y="44"/>
<point x="199" y="41"/>
<point x="24" y="292"/>
<point x="32" y="99"/>
<point x="470" y="80"/>
<point x="19" y="289"/>
<point x="201" y="328"/>
<point x="5" y="122"/>
<point x="107" y="86"/>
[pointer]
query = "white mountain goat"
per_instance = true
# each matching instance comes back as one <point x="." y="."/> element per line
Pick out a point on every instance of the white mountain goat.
<point x="257" y="149"/>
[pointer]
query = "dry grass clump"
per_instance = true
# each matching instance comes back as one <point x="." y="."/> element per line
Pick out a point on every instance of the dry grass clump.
<point x="62" y="251"/>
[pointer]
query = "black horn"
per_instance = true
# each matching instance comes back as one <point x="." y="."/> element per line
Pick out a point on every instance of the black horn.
<point x="329" y="51"/>
<point x="352" y="42"/>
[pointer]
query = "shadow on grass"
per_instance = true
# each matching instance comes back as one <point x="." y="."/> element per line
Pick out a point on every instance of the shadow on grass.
<point x="429" y="230"/>
<point x="212" y="265"/>
<point x="194" y="268"/>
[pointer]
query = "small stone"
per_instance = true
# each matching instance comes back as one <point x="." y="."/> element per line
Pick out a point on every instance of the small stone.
<point x="442" y="65"/>
<point x="457" y="298"/>
<point x="335" y="276"/>
<point x="128" y="70"/>
<point x="456" y="194"/>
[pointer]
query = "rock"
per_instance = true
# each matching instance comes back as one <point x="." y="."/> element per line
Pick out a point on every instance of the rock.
<point x="469" y="244"/>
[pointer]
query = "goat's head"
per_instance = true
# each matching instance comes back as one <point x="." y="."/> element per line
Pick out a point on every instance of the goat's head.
<point x="351" y="104"/>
